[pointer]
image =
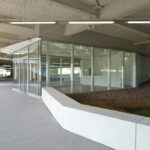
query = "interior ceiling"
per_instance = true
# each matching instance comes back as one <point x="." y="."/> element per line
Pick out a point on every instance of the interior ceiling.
<point x="117" y="36"/>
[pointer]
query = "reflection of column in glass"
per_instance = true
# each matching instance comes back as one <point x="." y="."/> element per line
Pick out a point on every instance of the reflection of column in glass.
<point x="39" y="67"/>
<point x="134" y="83"/>
<point x="47" y="66"/>
<point x="72" y="68"/>
<point x="34" y="73"/>
<point x="92" y="69"/>
<point x="61" y="71"/>
<point x="81" y="69"/>
<point x="47" y="70"/>
<point x="109" y="70"/>
<point x="30" y="71"/>
<point x="23" y="63"/>
<point x="19" y="74"/>
<point x="122" y="71"/>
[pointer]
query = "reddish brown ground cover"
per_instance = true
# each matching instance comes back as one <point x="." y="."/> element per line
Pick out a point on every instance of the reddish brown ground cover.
<point x="127" y="100"/>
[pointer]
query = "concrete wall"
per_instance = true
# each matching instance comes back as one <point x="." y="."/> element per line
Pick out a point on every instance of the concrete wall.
<point x="118" y="130"/>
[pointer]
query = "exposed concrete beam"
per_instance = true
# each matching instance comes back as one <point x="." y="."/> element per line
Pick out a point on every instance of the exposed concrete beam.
<point x="141" y="42"/>
<point x="122" y="32"/>
<point x="25" y="26"/>
<point x="132" y="30"/>
<point x="22" y="33"/>
<point x="116" y="30"/>
<point x="8" y="19"/>
<point x="122" y="8"/>
<point x="8" y="36"/>
<point x="76" y="4"/>
<point x="3" y="44"/>
<point x="5" y="40"/>
<point x="74" y="29"/>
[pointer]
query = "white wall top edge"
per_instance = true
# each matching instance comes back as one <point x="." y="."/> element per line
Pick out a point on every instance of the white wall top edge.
<point x="68" y="102"/>
<point x="145" y="121"/>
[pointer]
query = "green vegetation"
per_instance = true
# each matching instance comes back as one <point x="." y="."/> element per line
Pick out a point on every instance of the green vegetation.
<point x="142" y="112"/>
<point x="54" y="72"/>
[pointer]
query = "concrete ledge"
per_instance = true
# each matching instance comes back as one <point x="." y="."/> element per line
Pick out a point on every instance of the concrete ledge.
<point x="143" y="134"/>
<point x="114" y="129"/>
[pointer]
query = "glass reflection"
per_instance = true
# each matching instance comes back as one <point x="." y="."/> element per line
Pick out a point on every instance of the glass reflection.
<point x="72" y="68"/>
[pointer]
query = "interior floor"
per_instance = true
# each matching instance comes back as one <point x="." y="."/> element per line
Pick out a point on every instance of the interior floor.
<point x="81" y="88"/>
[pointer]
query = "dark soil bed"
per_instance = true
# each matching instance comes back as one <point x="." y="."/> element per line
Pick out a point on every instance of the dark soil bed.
<point x="135" y="101"/>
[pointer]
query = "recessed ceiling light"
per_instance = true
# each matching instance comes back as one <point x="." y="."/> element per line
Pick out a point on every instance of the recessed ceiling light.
<point x="91" y="22"/>
<point x="138" y="22"/>
<point x="25" y="22"/>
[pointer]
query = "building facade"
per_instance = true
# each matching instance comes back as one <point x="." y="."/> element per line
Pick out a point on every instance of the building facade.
<point x="72" y="68"/>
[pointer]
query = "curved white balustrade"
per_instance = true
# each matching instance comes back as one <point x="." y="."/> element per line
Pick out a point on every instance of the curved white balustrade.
<point x="118" y="130"/>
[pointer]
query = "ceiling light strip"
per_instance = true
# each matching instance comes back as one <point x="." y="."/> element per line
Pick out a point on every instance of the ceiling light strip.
<point x="46" y="22"/>
<point x="91" y="22"/>
<point x="138" y="22"/>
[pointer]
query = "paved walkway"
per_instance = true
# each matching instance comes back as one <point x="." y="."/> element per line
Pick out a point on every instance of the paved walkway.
<point x="26" y="124"/>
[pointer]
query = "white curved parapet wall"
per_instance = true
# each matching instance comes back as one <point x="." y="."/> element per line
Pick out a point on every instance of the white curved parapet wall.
<point x="118" y="130"/>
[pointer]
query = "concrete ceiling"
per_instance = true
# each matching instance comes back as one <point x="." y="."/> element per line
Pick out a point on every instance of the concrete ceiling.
<point x="119" y="35"/>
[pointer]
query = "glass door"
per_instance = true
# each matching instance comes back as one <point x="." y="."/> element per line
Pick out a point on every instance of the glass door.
<point x="23" y="69"/>
<point x="60" y="73"/>
<point x="34" y="76"/>
<point x="54" y="69"/>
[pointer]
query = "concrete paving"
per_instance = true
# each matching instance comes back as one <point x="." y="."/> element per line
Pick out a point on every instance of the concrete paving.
<point x="26" y="124"/>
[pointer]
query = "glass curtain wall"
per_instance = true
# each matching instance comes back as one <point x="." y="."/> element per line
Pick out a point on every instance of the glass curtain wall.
<point x="129" y="70"/>
<point x="116" y="69"/>
<point x="16" y="67"/>
<point x="43" y="61"/>
<point x="23" y="68"/>
<point x="101" y="68"/>
<point x="27" y="69"/>
<point x="56" y="65"/>
<point x="82" y="68"/>
<point x="72" y="68"/>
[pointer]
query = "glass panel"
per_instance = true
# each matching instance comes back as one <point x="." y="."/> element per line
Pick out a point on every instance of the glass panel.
<point x="16" y="65"/>
<point x="59" y="66"/>
<point x="23" y="69"/>
<point x="129" y="70"/>
<point x="59" y="49"/>
<point x="33" y="69"/>
<point x="43" y="70"/>
<point x="54" y="71"/>
<point x="65" y="71"/>
<point x="116" y="69"/>
<point x="82" y="69"/>
<point x="43" y="62"/>
<point x="100" y="69"/>
<point x="44" y="47"/>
